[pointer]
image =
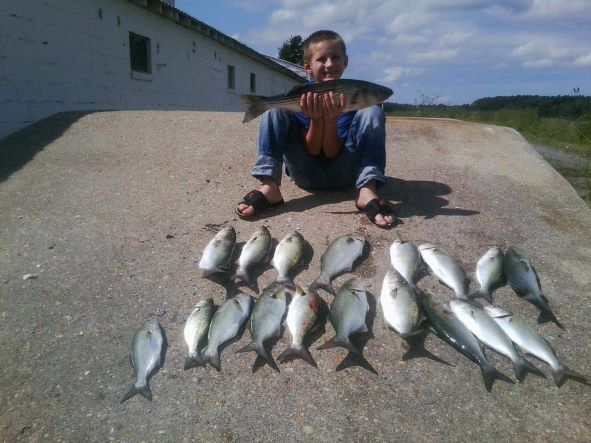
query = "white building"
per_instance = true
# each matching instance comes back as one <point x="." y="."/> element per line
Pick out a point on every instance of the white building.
<point x="71" y="55"/>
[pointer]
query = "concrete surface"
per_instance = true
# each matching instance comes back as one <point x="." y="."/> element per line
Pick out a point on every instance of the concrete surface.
<point x="112" y="210"/>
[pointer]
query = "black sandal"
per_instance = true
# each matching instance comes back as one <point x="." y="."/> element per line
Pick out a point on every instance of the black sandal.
<point x="382" y="207"/>
<point x="259" y="203"/>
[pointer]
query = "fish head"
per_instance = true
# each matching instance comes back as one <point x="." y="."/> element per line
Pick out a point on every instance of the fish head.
<point x="205" y="303"/>
<point x="369" y="94"/>
<point x="243" y="300"/>
<point x="496" y="311"/>
<point x="354" y="284"/>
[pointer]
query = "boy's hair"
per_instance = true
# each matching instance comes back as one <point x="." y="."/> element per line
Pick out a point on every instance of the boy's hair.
<point x="319" y="36"/>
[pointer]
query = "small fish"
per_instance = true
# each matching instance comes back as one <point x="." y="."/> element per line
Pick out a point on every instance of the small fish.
<point x="255" y="251"/>
<point x="288" y="255"/>
<point x="225" y="324"/>
<point x="302" y="317"/>
<point x="490" y="334"/>
<point x="265" y="321"/>
<point x="146" y="354"/>
<point x="348" y="315"/>
<point x="218" y="252"/>
<point x="195" y="332"/>
<point x="358" y="94"/>
<point x="339" y="257"/>
<point x="400" y="304"/>
<point x="451" y="330"/>
<point x="524" y="280"/>
<point x="446" y="268"/>
<point x="529" y="340"/>
<point x="406" y="259"/>
<point x="489" y="273"/>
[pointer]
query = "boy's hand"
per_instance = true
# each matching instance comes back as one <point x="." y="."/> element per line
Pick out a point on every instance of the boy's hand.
<point x="312" y="105"/>
<point x="332" y="105"/>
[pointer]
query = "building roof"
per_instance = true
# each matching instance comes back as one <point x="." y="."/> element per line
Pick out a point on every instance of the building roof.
<point x="299" y="70"/>
<point x="187" y="21"/>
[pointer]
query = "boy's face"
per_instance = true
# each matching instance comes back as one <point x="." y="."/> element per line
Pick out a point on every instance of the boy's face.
<point x="327" y="61"/>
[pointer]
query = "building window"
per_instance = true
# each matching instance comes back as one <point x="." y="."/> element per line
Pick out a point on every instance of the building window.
<point x="253" y="83"/>
<point x="139" y="53"/>
<point x="231" y="77"/>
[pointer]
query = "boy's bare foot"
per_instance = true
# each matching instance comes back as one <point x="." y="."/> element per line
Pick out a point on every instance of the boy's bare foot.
<point x="271" y="192"/>
<point x="366" y="195"/>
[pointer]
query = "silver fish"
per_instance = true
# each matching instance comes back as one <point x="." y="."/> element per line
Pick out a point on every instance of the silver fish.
<point x="406" y="259"/>
<point x="218" y="252"/>
<point x="339" y="257"/>
<point x="225" y="324"/>
<point x="490" y="334"/>
<point x="348" y="315"/>
<point x="302" y="317"/>
<point x="358" y="94"/>
<point x="254" y="251"/>
<point x="146" y="353"/>
<point x="528" y="339"/>
<point x="446" y="268"/>
<point x="489" y="273"/>
<point x="195" y="332"/>
<point x="524" y="280"/>
<point x="288" y="255"/>
<point x="400" y="304"/>
<point x="265" y="321"/>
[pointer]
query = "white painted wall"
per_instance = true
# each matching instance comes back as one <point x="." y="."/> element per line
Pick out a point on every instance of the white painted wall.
<point x="60" y="55"/>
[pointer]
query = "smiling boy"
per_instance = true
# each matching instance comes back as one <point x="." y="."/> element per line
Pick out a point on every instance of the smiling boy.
<point x="322" y="147"/>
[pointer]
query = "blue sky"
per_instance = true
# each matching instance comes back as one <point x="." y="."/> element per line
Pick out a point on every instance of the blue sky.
<point x="450" y="51"/>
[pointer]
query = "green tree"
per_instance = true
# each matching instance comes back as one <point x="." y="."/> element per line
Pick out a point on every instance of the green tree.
<point x="292" y="50"/>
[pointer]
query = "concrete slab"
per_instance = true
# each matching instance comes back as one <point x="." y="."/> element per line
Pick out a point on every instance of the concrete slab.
<point x="112" y="210"/>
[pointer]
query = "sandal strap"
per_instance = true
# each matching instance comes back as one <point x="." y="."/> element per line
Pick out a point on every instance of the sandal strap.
<point x="257" y="200"/>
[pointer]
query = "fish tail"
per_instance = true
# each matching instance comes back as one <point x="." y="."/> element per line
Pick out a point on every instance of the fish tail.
<point x="144" y="391"/>
<point x="546" y="315"/>
<point x="522" y="367"/>
<point x="254" y="107"/>
<point x="213" y="358"/>
<point x="490" y="374"/>
<point x="242" y="275"/>
<point x="416" y="349"/>
<point x="286" y="281"/>
<point x="293" y="353"/>
<point x="563" y="372"/>
<point x="322" y="283"/>
<point x="260" y="350"/>
<point x="340" y="342"/>
<point x="194" y="361"/>
<point x="483" y="293"/>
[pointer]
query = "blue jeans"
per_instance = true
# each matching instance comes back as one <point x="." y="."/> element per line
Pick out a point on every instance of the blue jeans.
<point x="361" y="159"/>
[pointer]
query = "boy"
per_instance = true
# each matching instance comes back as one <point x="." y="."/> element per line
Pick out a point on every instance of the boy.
<point x="321" y="147"/>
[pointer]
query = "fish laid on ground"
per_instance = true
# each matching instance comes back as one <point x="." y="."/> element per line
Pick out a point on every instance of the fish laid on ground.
<point x="348" y="315"/>
<point x="218" y="252"/>
<point x="265" y="321"/>
<point x="196" y="330"/>
<point x="400" y="304"/>
<point x="254" y="251"/>
<point x="525" y="282"/>
<point x="492" y="335"/>
<point x="146" y="354"/>
<point x="451" y="330"/>
<point x="489" y="273"/>
<point x="302" y="317"/>
<point x="288" y="255"/>
<point x="530" y="341"/>
<point x="406" y="259"/>
<point x="339" y="257"/>
<point x="446" y="268"/>
<point x="225" y="324"/>
<point x="358" y="94"/>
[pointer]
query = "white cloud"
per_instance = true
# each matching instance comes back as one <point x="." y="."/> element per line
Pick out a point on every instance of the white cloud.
<point x="554" y="9"/>
<point x="543" y="63"/>
<point x="583" y="61"/>
<point x="436" y="55"/>
<point x="539" y="47"/>
<point x="394" y="73"/>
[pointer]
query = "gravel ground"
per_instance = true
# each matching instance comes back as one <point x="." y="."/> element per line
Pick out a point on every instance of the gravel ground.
<point x="111" y="211"/>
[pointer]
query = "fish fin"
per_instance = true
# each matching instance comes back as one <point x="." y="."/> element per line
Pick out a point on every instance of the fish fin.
<point x="144" y="391"/>
<point x="482" y="293"/>
<point x="213" y="358"/>
<point x="254" y="107"/>
<point x="293" y="353"/>
<point x="252" y="346"/>
<point x="563" y="372"/>
<point x="416" y="349"/>
<point x="343" y="343"/>
<point x="546" y="315"/>
<point x="194" y="361"/>
<point x="322" y="283"/>
<point x="243" y="276"/>
<point x="286" y="281"/>
<point x="490" y="374"/>
<point x="259" y="348"/>
<point x="522" y="367"/>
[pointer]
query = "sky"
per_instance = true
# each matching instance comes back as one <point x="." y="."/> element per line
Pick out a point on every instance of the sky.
<point x="429" y="51"/>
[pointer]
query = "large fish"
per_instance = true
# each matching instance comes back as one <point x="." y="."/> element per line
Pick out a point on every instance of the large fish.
<point x="339" y="257"/>
<point x="288" y="255"/>
<point x="217" y="253"/>
<point x="406" y="259"/>
<point x="451" y="330"/>
<point x="358" y="94"/>
<point x="302" y="317"/>
<point x="254" y="251"/>
<point x="265" y="321"/>
<point x="400" y="304"/>
<point x="446" y="268"/>
<point x="146" y="354"/>
<point x="195" y="332"/>
<point x="528" y="339"/>
<point x="225" y="324"/>
<point x="348" y="315"/>
<point x="525" y="282"/>
<point x="492" y="335"/>
<point x="489" y="273"/>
